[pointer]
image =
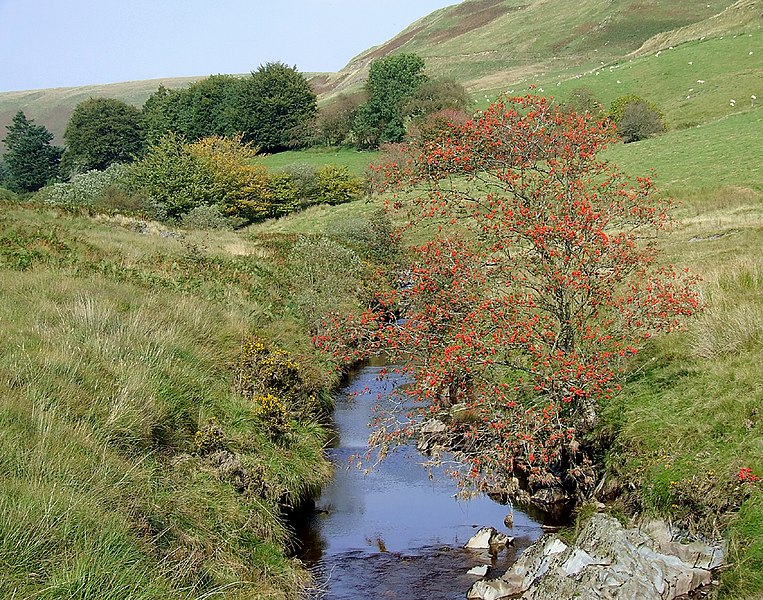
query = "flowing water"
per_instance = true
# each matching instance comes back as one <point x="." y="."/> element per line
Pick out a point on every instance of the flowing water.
<point x="395" y="532"/>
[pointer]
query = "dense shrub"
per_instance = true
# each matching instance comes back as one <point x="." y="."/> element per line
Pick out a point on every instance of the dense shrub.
<point x="640" y="122"/>
<point x="85" y="189"/>
<point x="335" y="120"/>
<point x="335" y="185"/>
<point x="583" y="100"/>
<point x="635" y="117"/>
<point x="430" y="126"/>
<point x="212" y="171"/>
<point x="272" y="378"/>
<point x="7" y="195"/>
<point x="304" y="177"/>
<point x="434" y="96"/>
<point x="282" y="194"/>
<point x="206" y="217"/>
<point x="323" y="276"/>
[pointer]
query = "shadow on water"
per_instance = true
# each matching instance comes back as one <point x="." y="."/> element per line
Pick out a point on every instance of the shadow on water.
<point x="394" y="532"/>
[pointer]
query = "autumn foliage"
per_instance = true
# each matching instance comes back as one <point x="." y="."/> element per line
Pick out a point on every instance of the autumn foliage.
<point x="539" y="279"/>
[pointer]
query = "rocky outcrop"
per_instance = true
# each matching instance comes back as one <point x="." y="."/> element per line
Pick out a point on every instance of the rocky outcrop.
<point x="650" y="562"/>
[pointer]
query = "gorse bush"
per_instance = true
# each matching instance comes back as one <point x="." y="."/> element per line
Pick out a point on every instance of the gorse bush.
<point x="265" y="371"/>
<point x="335" y="185"/>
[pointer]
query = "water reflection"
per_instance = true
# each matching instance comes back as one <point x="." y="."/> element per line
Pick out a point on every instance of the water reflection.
<point x="394" y="526"/>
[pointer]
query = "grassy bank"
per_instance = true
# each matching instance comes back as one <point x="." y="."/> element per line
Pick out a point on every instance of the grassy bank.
<point x="135" y="463"/>
<point x="690" y="415"/>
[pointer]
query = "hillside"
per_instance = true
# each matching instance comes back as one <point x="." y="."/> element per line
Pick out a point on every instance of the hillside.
<point x="484" y="42"/>
<point x="53" y="107"/>
<point x="488" y="45"/>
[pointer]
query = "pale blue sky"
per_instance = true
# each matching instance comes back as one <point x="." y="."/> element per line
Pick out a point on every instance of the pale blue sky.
<point x="55" y="43"/>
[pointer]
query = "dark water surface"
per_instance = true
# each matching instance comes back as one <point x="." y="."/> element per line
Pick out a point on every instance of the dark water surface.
<point x="394" y="532"/>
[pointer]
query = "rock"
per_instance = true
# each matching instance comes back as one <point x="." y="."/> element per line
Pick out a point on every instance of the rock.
<point x="508" y="520"/>
<point x="431" y="434"/>
<point x="479" y="571"/>
<point x="693" y="552"/>
<point x="550" y="500"/>
<point x="577" y="561"/>
<point x="487" y="538"/>
<point x="493" y="589"/>
<point x="481" y="539"/>
<point x="433" y="426"/>
<point x="609" y="561"/>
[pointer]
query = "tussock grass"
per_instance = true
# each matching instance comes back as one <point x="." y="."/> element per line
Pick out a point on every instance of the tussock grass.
<point x="117" y="347"/>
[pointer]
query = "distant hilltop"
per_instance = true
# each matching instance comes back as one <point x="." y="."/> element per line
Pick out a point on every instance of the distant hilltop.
<point x="486" y="45"/>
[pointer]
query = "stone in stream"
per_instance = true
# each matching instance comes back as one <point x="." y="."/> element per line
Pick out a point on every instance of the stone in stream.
<point x="650" y="562"/>
<point x="487" y="538"/>
<point x="479" y="570"/>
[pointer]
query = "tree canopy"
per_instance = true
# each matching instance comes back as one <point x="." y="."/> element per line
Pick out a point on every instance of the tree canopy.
<point x="539" y="278"/>
<point x="101" y="132"/>
<point x="275" y="107"/>
<point x="391" y="82"/>
<point x="205" y="108"/>
<point x="30" y="159"/>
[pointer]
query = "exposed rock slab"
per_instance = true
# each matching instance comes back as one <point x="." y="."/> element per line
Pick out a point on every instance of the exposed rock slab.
<point x="608" y="561"/>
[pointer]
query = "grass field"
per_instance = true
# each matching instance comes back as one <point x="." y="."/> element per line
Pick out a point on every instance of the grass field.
<point x="356" y="162"/>
<point x="692" y="84"/>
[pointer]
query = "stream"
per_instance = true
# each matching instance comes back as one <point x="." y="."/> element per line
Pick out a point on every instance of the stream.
<point x="394" y="532"/>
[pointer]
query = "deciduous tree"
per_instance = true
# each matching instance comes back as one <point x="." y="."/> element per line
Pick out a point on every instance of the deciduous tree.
<point x="541" y="277"/>
<point x="101" y="132"/>
<point x="275" y="107"/>
<point x="203" y="109"/>
<point x="391" y="82"/>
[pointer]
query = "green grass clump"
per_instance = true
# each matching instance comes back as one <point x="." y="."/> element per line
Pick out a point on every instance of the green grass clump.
<point x="119" y="346"/>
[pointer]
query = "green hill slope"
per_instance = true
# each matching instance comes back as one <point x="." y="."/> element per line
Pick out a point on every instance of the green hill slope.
<point x="480" y="42"/>
<point x="489" y="45"/>
<point x="53" y="107"/>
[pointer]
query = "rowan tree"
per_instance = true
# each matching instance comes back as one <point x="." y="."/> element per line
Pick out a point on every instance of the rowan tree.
<point x="540" y="277"/>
